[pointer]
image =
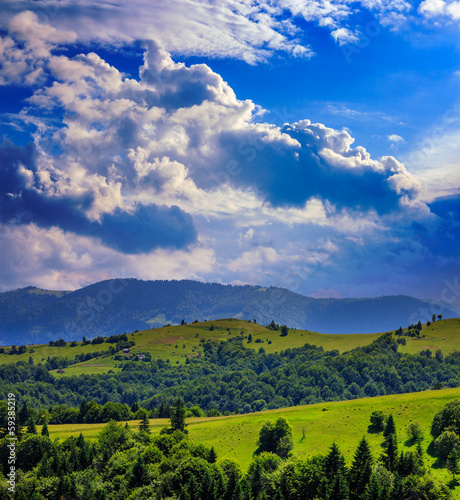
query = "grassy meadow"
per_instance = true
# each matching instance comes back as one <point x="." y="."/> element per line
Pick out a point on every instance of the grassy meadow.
<point x="315" y="427"/>
<point x="176" y="343"/>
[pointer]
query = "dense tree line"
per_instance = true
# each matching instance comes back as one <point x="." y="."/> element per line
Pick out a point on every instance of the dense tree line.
<point x="122" y="464"/>
<point x="232" y="378"/>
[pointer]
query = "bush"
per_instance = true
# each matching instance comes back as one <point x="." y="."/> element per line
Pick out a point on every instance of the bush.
<point x="446" y="443"/>
<point x="378" y="419"/>
<point x="414" y="431"/>
<point x="449" y="416"/>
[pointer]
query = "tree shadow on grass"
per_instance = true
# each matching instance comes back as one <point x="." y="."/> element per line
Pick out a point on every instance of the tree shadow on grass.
<point x="438" y="463"/>
<point x="431" y="450"/>
<point x="452" y="484"/>
<point x="374" y="429"/>
<point x="410" y="442"/>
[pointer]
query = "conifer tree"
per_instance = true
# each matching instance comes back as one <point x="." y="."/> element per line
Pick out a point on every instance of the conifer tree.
<point x="397" y="492"/>
<point x="338" y="488"/>
<point x="84" y="407"/>
<point x="335" y="475"/>
<point x="237" y="492"/>
<point x="80" y="440"/>
<point x="144" y="425"/>
<point x="361" y="470"/>
<point x="219" y="484"/>
<point x="23" y="415"/>
<point x="139" y="473"/>
<point x="177" y="418"/>
<point x="373" y="489"/>
<point x="334" y="462"/>
<point x="212" y="455"/>
<point x="390" y="455"/>
<point x="45" y="431"/>
<point x="31" y="429"/>
<point x="390" y="427"/>
<point x="208" y="487"/>
<point x="44" y="467"/>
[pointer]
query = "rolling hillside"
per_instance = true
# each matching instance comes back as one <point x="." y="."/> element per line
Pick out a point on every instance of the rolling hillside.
<point x="177" y="343"/>
<point x="344" y="422"/>
<point x="31" y="316"/>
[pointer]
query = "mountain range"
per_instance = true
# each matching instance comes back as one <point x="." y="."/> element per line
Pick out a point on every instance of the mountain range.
<point x="33" y="315"/>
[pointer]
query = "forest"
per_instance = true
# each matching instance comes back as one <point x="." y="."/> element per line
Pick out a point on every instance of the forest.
<point x="231" y="378"/>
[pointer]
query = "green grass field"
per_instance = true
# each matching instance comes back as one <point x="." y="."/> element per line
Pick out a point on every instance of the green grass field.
<point x="176" y="343"/>
<point x="344" y="422"/>
<point x="444" y="335"/>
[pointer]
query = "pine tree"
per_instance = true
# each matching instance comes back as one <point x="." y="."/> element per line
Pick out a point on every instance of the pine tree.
<point x="390" y="455"/>
<point x="80" y="440"/>
<point x="373" y="490"/>
<point x="208" y="487"/>
<point x="212" y="457"/>
<point x="177" y="418"/>
<point x="31" y="429"/>
<point x="257" y="480"/>
<point x="335" y="475"/>
<point x="219" y="484"/>
<point x="85" y="456"/>
<point x="23" y="415"/>
<point x="397" y="492"/>
<point x="237" y="493"/>
<point x="45" y="431"/>
<point x="361" y="470"/>
<point x="44" y="468"/>
<point x="390" y="427"/>
<point x="338" y="488"/>
<point x="144" y="426"/>
<point x="84" y="407"/>
<point x="139" y="473"/>
<point x="74" y="457"/>
<point x="334" y="462"/>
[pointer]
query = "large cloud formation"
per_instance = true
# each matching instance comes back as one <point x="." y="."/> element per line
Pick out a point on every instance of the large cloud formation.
<point x="172" y="168"/>
<point x="248" y="30"/>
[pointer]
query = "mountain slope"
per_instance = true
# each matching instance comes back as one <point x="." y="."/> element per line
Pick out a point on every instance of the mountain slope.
<point x="113" y="306"/>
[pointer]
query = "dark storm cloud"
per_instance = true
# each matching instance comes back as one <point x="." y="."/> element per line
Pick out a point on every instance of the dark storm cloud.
<point x="446" y="240"/>
<point x="143" y="229"/>
<point x="320" y="167"/>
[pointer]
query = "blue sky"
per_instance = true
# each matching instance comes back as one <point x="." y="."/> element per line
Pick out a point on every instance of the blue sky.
<point x="307" y="144"/>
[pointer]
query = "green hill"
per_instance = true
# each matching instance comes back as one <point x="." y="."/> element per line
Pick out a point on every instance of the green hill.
<point x="344" y="422"/>
<point x="177" y="343"/>
<point x="113" y="306"/>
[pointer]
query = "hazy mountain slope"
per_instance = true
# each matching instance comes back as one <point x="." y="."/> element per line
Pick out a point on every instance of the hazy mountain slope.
<point x="115" y="306"/>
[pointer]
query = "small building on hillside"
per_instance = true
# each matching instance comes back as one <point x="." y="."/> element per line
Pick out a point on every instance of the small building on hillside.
<point x="125" y="350"/>
<point x="60" y="370"/>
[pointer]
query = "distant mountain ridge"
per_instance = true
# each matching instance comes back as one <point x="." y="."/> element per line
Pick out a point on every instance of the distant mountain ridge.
<point x="32" y="315"/>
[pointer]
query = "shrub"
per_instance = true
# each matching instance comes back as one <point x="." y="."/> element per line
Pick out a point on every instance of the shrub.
<point x="378" y="419"/>
<point x="414" y="431"/>
<point x="446" y="443"/>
